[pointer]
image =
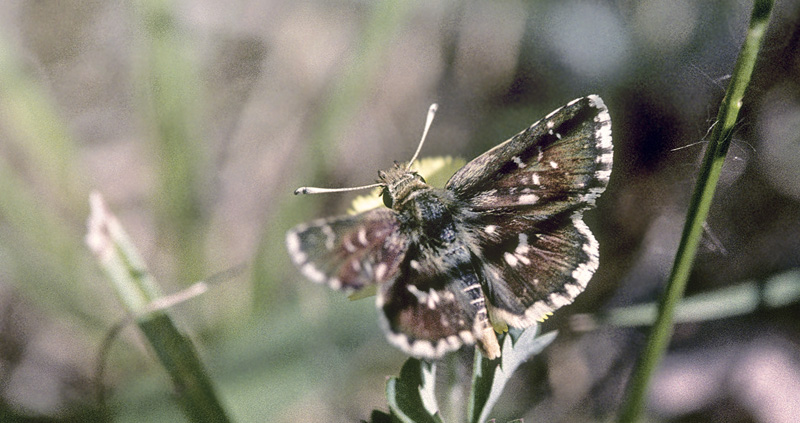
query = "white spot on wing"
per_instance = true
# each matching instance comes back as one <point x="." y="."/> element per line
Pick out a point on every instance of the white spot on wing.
<point x="596" y="101"/>
<point x="551" y="114"/>
<point x="574" y="101"/>
<point x="433" y="299"/>
<point x="467" y="337"/>
<point x="573" y="290"/>
<point x="362" y="236"/>
<point x="489" y="229"/>
<point x="510" y="259"/>
<point x="380" y="271"/>
<point x="348" y="245"/>
<point x="313" y="273"/>
<point x="518" y="161"/>
<point x="559" y="300"/>
<point x="535" y="178"/>
<point x="528" y="199"/>
<point x="293" y="245"/>
<point x="605" y="158"/>
<point x="553" y="164"/>
<point x="583" y="273"/>
<point x="330" y="237"/>
<point x="416" y="292"/>
<point x="471" y="287"/>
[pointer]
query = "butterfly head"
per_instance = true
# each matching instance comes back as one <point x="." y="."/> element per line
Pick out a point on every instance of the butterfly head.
<point x="398" y="182"/>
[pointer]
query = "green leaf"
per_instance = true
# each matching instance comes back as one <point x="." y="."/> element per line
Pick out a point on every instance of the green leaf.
<point x="411" y="396"/>
<point x="489" y="377"/>
<point x="378" y="416"/>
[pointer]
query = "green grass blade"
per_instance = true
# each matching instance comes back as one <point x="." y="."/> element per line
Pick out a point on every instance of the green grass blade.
<point x="169" y="92"/>
<point x="737" y="300"/>
<point x="138" y="290"/>
<point x="39" y="132"/>
<point x="699" y="206"/>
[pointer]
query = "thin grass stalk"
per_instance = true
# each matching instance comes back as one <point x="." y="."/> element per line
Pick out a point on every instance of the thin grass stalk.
<point x="699" y="206"/>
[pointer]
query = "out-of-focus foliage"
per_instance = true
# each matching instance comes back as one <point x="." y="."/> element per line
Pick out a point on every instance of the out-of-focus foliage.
<point x="197" y="120"/>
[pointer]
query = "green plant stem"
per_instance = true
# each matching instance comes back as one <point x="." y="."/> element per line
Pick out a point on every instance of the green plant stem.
<point x="138" y="292"/>
<point x="39" y="133"/>
<point x="700" y="204"/>
<point x="170" y="95"/>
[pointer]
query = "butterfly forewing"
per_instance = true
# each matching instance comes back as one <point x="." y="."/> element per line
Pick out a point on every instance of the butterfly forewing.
<point x="560" y="163"/>
<point x="349" y="252"/>
<point x="538" y="253"/>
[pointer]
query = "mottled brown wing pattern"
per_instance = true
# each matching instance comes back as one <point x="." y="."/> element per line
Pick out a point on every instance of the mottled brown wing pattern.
<point x="349" y="252"/>
<point x="528" y="195"/>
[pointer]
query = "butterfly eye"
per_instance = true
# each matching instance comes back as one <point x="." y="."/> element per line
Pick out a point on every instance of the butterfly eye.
<point x="387" y="198"/>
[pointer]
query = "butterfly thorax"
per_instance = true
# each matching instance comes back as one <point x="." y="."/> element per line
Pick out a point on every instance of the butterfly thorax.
<point x="434" y="211"/>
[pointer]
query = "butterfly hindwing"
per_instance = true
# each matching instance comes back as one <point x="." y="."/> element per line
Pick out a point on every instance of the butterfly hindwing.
<point x="349" y="252"/>
<point x="436" y="307"/>
<point x="533" y="268"/>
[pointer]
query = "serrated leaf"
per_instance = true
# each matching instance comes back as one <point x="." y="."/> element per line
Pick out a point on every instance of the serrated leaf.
<point x="411" y="396"/>
<point x="490" y="376"/>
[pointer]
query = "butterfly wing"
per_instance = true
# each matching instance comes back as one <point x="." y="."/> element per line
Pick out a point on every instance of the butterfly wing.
<point x="349" y="252"/>
<point x="437" y="306"/>
<point x="561" y="162"/>
<point x="529" y="194"/>
<point x="534" y="268"/>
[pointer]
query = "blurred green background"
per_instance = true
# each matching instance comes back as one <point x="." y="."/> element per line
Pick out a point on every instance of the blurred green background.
<point x="196" y="120"/>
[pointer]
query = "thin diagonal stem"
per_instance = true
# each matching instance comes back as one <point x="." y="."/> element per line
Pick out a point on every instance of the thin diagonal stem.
<point x="661" y="332"/>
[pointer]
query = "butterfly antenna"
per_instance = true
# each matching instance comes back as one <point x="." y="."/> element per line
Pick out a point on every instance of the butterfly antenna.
<point x="428" y="121"/>
<point x="314" y="190"/>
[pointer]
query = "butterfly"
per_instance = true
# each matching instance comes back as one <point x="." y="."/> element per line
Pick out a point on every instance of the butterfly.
<point x="503" y="244"/>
